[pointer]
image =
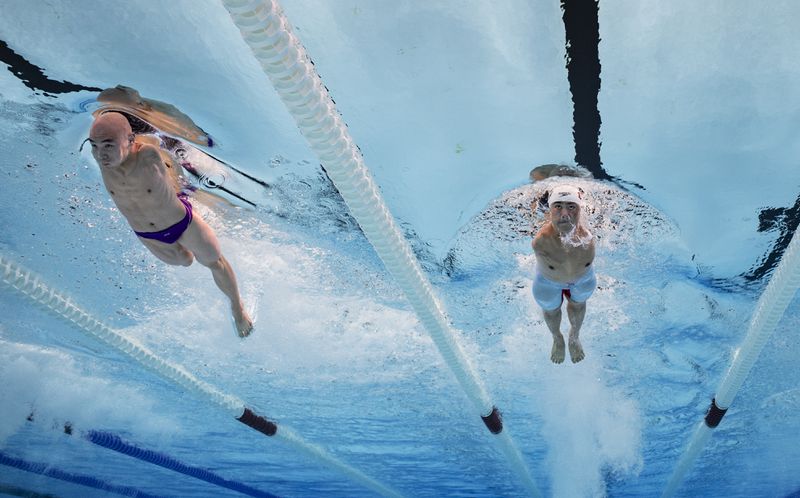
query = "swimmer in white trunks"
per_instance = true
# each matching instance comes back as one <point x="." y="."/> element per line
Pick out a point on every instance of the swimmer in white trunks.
<point x="564" y="250"/>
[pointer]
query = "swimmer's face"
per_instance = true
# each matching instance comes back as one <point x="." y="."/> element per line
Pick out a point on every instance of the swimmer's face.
<point x="110" y="146"/>
<point x="564" y="215"/>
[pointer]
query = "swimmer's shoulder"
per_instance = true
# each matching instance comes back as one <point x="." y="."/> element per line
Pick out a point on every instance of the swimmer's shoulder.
<point x="544" y="240"/>
<point x="546" y="232"/>
<point x="147" y="152"/>
<point x="148" y="156"/>
<point x="587" y="235"/>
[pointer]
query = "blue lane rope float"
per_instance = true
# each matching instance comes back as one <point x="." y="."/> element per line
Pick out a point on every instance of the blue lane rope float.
<point x="32" y="287"/>
<point x="83" y="480"/>
<point x="267" y="32"/>
<point x="770" y="309"/>
<point x="115" y="443"/>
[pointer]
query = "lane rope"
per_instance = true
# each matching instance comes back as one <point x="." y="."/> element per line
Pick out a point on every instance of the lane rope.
<point x="771" y="306"/>
<point x="32" y="287"/>
<point x="284" y="60"/>
<point x="113" y="442"/>
<point x="81" y="479"/>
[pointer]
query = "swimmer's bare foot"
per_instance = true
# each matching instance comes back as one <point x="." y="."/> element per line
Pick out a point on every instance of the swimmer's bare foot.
<point x="575" y="350"/>
<point x="244" y="325"/>
<point x="557" y="353"/>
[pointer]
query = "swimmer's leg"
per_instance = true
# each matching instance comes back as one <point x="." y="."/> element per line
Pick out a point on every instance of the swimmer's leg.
<point x="575" y="314"/>
<point x="200" y="239"/>
<point x="226" y="281"/>
<point x="171" y="254"/>
<point x="548" y="296"/>
<point x="553" y="320"/>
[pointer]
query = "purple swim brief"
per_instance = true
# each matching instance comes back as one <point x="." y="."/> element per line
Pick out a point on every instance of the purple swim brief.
<point x="171" y="234"/>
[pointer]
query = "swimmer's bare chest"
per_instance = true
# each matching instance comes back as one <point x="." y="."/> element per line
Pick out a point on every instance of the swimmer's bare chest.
<point x="144" y="195"/>
<point x="563" y="264"/>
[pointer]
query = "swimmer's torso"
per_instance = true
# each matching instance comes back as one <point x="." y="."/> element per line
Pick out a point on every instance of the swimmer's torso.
<point x="561" y="262"/>
<point x="144" y="191"/>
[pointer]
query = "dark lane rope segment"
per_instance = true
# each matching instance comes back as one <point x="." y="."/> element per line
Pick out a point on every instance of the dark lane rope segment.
<point x="582" y="29"/>
<point x="714" y="415"/>
<point x="33" y="76"/>
<point x="257" y="422"/>
<point x="83" y="480"/>
<point x="494" y="421"/>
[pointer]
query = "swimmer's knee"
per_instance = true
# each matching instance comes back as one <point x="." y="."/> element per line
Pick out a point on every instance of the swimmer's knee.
<point x="186" y="259"/>
<point x="552" y="312"/>
<point x="211" y="263"/>
<point x="576" y="304"/>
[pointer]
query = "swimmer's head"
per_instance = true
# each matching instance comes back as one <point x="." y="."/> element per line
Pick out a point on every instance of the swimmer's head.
<point x="111" y="138"/>
<point x="565" y="193"/>
<point x="110" y="122"/>
<point x="565" y="202"/>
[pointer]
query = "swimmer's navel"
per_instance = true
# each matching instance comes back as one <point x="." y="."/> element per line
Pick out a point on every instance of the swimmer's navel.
<point x="551" y="267"/>
<point x="149" y="191"/>
<point x="152" y="224"/>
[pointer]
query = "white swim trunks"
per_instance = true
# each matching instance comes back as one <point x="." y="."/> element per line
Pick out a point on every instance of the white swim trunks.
<point x="550" y="294"/>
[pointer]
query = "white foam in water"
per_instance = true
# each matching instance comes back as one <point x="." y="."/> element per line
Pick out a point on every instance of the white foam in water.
<point x="309" y="317"/>
<point x="590" y="428"/>
<point x="49" y="384"/>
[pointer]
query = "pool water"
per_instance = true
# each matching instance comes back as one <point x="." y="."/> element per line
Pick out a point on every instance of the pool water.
<point x="338" y="355"/>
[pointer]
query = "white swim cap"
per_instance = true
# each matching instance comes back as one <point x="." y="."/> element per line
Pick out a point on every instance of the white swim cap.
<point x="565" y="193"/>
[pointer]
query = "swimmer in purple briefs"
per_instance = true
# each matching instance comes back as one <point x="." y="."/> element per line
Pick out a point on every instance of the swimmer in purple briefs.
<point x="564" y="250"/>
<point x="145" y="194"/>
